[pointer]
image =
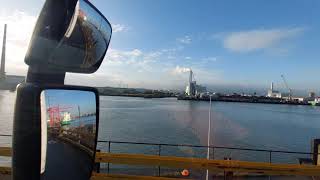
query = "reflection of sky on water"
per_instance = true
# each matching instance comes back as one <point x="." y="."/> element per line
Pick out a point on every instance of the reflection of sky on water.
<point x="222" y="128"/>
<point x="186" y="122"/>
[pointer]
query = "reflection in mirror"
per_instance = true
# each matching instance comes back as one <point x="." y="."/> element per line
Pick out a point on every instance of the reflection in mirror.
<point x="80" y="49"/>
<point x="68" y="131"/>
<point x="86" y="38"/>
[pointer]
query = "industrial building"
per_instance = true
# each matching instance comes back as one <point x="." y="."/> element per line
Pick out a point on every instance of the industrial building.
<point x="192" y="89"/>
<point x="273" y="93"/>
<point x="287" y="96"/>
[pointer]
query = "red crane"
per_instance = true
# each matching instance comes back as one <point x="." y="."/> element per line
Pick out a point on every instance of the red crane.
<point x="55" y="114"/>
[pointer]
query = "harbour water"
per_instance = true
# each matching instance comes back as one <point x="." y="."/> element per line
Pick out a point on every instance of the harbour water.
<point x="167" y="120"/>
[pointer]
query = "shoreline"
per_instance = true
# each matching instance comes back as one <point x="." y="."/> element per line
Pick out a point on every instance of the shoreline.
<point x="224" y="98"/>
<point x="252" y="100"/>
<point x="147" y="96"/>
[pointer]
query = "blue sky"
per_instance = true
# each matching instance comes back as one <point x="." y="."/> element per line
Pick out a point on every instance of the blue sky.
<point x="71" y="99"/>
<point x="226" y="43"/>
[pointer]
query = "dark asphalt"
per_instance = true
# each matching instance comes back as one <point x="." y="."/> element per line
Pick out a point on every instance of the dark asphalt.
<point x="66" y="162"/>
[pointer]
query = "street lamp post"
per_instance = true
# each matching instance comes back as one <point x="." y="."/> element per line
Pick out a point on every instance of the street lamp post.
<point x="209" y="132"/>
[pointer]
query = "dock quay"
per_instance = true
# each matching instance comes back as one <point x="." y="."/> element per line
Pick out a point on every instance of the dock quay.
<point x="243" y="99"/>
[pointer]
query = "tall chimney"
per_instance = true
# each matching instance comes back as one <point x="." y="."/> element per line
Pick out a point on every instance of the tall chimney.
<point x="271" y="86"/>
<point x="3" y="55"/>
<point x="190" y="76"/>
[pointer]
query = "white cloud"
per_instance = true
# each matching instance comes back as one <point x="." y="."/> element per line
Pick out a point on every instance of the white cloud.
<point x="115" y="56"/>
<point x="178" y="75"/>
<point x="96" y="79"/>
<point x="246" y="41"/>
<point x="19" y="31"/>
<point x="136" y="59"/>
<point x="138" y="68"/>
<point x="180" y="70"/>
<point x="119" y="28"/>
<point x="148" y="69"/>
<point x="185" y="40"/>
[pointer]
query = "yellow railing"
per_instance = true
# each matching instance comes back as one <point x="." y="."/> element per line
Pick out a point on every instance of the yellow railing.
<point x="214" y="166"/>
<point x="5" y="151"/>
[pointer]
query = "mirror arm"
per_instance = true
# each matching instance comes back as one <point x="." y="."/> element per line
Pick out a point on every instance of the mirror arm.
<point x="43" y="75"/>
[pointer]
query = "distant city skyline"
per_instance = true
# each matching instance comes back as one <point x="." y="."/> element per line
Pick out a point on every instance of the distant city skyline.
<point x="246" y="44"/>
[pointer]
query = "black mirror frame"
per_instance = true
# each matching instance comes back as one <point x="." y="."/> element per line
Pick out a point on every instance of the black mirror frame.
<point x="39" y="65"/>
<point x="26" y="141"/>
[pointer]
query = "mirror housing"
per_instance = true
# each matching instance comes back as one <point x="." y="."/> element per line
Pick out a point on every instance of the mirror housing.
<point x="27" y="154"/>
<point x="69" y="36"/>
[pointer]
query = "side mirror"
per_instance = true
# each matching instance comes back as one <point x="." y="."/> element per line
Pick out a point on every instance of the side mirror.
<point x="70" y="36"/>
<point x="55" y="132"/>
<point x="55" y="126"/>
<point x="69" y="123"/>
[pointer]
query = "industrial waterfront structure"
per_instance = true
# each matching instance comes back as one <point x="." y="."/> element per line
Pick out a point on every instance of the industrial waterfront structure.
<point x="287" y="96"/>
<point x="273" y="93"/>
<point x="192" y="89"/>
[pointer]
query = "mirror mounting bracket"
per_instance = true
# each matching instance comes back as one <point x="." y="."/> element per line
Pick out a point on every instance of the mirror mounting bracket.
<point x="42" y="75"/>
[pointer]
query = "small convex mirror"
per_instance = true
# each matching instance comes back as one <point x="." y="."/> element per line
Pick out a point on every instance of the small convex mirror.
<point x="68" y="134"/>
<point x="71" y="37"/>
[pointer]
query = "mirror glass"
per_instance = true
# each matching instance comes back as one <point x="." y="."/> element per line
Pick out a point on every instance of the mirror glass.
<point x="69" y="124"/>
<point x="82" y="47"/>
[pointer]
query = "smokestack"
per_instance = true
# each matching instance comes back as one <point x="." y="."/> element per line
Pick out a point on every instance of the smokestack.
<point x="190" y="76"/>
<point x="3" y="55"/>
<point x="271" y="86"/>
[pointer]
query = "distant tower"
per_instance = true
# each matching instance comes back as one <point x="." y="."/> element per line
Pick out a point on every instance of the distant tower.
<point x="3" y="55"/>
<point x="191" y="88"/>
<point x="271" y="88"/>
<point x="190" y="85"/>
<point x="190" y="76"/>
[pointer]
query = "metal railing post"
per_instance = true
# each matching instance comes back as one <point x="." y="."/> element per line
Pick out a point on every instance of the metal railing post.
<point x="213" y="153"/>
<point x="98" y="163"/>
<point x="270" y="160"/>
<point x="109" y="150"/>
<point x="159" y="153"/>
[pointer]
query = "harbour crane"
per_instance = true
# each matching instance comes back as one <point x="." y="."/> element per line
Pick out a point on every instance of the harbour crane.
<point x="55" y="114"/>
<point x="287" y="86"/>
